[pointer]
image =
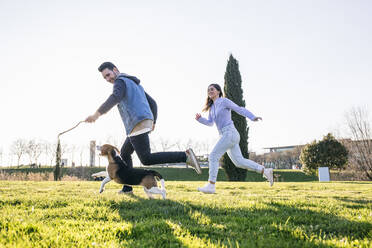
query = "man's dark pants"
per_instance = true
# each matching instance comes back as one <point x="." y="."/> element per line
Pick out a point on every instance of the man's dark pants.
<point x="141" y="144"/>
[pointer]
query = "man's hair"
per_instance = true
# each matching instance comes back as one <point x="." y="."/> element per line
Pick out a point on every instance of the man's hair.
<point x="106" y="65"/>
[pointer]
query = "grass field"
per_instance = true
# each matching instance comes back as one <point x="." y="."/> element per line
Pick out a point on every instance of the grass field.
<point x="248" y="214"/>
<point x="170" y="174"/>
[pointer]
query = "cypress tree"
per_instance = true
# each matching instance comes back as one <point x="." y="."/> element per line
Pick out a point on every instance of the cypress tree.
<point x="234" y="92"/>
<point x="57" y="169"/>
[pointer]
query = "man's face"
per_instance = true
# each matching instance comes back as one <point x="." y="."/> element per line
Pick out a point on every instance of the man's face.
<point x="109" y="75"/>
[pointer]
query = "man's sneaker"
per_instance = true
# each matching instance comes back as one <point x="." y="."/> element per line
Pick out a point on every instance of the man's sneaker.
<point x="208" y="188"/>
<point x="192" y="161"/>
<point x="126" y="190"/>
<point x="269" y="175"/>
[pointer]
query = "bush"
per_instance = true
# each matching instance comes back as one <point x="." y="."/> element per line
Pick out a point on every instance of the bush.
<point x="325" y="153"/>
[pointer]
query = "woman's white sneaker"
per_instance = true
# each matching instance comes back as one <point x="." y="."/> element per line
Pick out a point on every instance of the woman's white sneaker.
<point x="269" y="175"/>
<point x="208" y="188"/>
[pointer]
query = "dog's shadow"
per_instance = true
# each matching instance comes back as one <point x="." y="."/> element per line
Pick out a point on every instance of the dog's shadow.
<point x="173" y="223"/>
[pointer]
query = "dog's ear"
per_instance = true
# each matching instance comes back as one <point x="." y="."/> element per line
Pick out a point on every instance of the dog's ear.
<point x="104" y="150"/>
<point x="113" y="153"/>
<point x="116" y="149"/>
<point x="119" y="161"/>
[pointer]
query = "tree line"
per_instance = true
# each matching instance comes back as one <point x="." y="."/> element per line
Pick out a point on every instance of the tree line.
<point x="35" y="152"/>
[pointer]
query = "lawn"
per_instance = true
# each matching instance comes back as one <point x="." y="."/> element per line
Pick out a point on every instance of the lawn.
<point x="241" y="214"/>
<point x="170" y="174"/>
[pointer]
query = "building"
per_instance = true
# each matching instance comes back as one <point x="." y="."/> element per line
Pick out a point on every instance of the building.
<point x="282" y="148"/>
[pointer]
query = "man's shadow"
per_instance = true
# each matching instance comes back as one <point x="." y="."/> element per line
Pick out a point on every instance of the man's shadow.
<point x="169" y="222"/>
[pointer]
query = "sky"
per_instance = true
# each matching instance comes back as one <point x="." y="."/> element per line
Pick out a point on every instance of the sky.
<point x="303" y="65"/>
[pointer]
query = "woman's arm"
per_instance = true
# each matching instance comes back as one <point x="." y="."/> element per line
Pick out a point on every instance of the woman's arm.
<point x="240" y="110"/>
<point x="204" y="121"/>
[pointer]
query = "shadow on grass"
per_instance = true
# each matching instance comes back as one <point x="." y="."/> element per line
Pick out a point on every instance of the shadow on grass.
<point x="177" y="224"/>
<point x="346" y="199"/>
<point x="353" y="182"/>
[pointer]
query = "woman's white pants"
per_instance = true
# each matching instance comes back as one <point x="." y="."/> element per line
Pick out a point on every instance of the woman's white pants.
<point x="229" y="142"/>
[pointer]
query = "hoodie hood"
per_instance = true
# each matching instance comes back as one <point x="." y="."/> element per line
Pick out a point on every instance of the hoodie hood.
<point x="133" y="78"/>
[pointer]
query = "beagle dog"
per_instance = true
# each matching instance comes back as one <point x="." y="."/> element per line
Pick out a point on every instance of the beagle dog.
<point x="118" y="171"/>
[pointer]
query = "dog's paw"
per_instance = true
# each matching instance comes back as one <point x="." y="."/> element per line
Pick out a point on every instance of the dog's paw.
<point x="164" y="194"/>
<point x="101" y="190"/>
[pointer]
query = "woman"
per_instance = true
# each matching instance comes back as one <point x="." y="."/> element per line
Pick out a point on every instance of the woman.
<point x="220" y="113"/>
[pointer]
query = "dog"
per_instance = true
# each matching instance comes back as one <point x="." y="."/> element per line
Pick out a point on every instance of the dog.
<point x="118" y="171"/>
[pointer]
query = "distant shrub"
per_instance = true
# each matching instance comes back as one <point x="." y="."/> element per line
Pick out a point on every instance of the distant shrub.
<point x="326" y="153"/>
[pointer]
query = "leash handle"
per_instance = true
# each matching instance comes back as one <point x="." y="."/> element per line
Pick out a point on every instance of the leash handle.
<point x="70" y="128"/>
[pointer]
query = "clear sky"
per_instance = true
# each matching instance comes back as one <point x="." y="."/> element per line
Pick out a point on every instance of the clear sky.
<point x="303" y="64"/>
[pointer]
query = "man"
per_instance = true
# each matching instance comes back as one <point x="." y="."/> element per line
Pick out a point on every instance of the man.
<point x="138" y="112"/>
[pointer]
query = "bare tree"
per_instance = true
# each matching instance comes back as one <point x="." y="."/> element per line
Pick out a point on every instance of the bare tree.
<point x="360" y="148"/>
<point x="34" y="150"/>
<point x="73" y="148"/>
<point x="45" y="146"/>
<point x="197" y="148"/>
<point x="183" y="146"/>
<point x="291" y="157"/>
<point x="257" y="158"/>
<point x="38" y="150"/>
<point x="165" y="144"/>
<point x="189" y="143"/>
<point x="64" y="149"/>
<point x="29" y="147"/>
<point x="179" y="145"/>
<point x="50" y="150"/>
<point x="112" y="140"/>
<point x="275" y="159"/>
<point x="281" y="159"/>
<point x="82" y="149"/>
<point x="10" y="158"/>
<point x="18" y="148"/>
<point x="204" y="147"/>
<point x="278" y="160"/>
<point x="153" y="145"/>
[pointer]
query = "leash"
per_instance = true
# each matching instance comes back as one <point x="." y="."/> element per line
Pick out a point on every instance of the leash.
<point x="70" y="128"/>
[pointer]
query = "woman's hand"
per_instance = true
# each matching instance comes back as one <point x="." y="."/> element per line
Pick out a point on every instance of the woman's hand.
<point x="197" y="116"/>
<point x="257" y="119"/>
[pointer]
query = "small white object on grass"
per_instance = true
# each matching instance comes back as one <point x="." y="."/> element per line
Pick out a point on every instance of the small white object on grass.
<point x="323" y="174"/>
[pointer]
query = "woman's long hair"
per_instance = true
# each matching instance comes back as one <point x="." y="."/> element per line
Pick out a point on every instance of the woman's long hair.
<point x="209" y="101"/>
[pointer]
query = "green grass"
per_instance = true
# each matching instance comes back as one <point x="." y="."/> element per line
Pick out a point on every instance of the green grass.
<point x="73" y="214"/>
<point x="172" y="174"/>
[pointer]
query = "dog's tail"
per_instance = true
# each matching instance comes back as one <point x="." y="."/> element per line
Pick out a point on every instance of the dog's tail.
<point x="100" y="174"/>
<point x="156" y="174"/>
<point x="160" y="178"/>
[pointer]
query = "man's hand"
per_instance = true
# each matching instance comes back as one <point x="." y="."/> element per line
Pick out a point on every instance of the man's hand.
<point x="93" y="118"/>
